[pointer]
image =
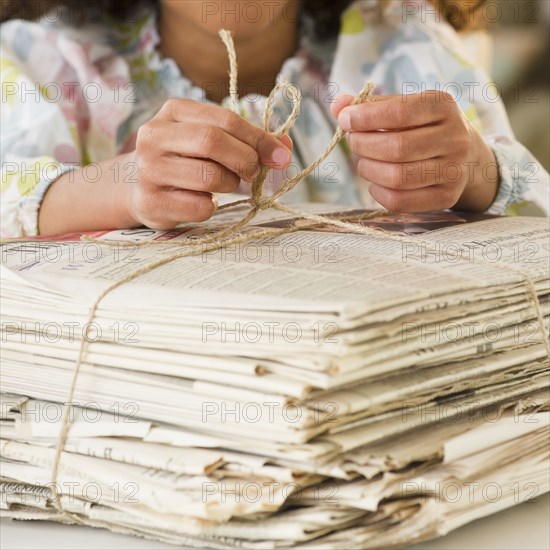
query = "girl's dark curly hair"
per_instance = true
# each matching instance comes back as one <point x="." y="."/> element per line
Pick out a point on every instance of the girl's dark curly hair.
<point x="325" y="13"/>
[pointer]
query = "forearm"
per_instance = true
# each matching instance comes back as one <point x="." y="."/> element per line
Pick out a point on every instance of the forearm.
<point x="90" y="199"/>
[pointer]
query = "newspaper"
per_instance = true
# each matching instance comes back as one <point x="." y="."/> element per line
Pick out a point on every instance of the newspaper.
<point x="440" y="493"/>
<point x="305" y="390"/>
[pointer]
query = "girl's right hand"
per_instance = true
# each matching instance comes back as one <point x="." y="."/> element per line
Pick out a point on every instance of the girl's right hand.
<point x="191" y="150"/>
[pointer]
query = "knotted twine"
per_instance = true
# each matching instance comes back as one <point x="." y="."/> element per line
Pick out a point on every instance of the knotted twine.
<point x="233" y="235"/>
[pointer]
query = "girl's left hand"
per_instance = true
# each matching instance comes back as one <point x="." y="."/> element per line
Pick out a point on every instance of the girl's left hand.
<point x="419" y="152"/>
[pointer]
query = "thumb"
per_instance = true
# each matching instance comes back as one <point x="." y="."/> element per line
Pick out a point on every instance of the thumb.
<point x="346" y="100"/>
<point x="339" y="103"/>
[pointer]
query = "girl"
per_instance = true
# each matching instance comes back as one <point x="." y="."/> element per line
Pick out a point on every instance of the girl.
<point x="111" y="115"/>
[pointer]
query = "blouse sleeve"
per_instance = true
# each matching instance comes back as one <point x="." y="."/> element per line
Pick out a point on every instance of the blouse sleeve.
<point x="66" y="100"/>
<point x="414" y="54"/>
<point x="39" y="139"/>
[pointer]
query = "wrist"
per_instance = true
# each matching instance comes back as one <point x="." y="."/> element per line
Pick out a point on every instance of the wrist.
<point x="482" y="182"/>
<point x="123" y="189"/>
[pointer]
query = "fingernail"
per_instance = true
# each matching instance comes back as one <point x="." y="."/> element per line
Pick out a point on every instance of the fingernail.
<point x="344" y="120"/>
<point x="281" y="156"/>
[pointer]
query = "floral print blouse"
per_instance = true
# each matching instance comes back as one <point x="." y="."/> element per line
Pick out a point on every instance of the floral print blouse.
<point x="74" y="96"/>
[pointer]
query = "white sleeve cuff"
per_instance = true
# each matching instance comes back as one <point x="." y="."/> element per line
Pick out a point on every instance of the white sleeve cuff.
<point x="524" y="185"/>
<point x="505" y="193"/>
<point x="29" y="205"/>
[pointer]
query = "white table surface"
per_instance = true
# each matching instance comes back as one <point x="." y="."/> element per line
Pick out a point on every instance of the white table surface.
<point x="524" y="527"/>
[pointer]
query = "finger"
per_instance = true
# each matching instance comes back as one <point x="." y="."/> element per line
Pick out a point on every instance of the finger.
<point x="409" y="175"/>
<point x="271" y="150"/>
<point x="427" y="199"/>
<point x="397" y="112"/>
<point x="164" y="209"/>
<point x="339" y="103"/>
<point x="346" y="100"/>
<point x="193" y="174"/>
<point x="287" y="142"/>
<point x="202" y="141"/>
<point x="404" y="146"/>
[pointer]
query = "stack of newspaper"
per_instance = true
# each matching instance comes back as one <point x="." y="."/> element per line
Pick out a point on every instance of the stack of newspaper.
<point x="310" y="389"/>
